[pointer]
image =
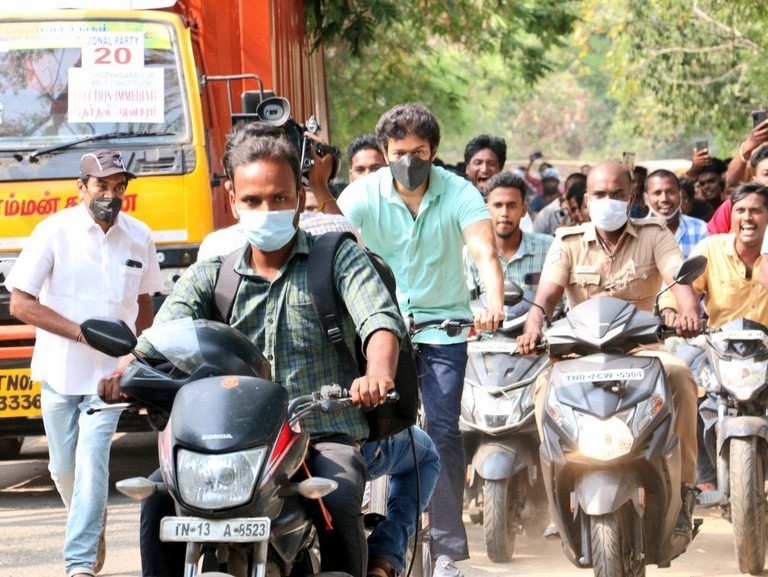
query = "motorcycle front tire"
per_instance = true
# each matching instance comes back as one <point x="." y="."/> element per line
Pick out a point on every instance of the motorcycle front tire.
<point x="747" y="502"/>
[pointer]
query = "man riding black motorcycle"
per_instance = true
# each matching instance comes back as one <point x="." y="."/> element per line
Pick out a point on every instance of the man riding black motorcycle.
<point x="273" y="308"/>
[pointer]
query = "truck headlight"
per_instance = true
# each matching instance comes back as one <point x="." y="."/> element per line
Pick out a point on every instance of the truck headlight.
<point x="604" y="440"/>
<point x="218" y="481"/>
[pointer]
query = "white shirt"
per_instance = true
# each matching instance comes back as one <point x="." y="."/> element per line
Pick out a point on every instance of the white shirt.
<point x="72" y="267"/>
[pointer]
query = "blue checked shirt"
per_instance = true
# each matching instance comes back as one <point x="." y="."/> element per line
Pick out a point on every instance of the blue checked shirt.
<point x="689" y="232"/>
<point x="529" y="258"/>
<point x="280" y="319"/>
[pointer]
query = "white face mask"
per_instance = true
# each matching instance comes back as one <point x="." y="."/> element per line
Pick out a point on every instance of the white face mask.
<point x="268" y="230"/>
<point x="667" y="218"/>
<point x="608" y="214"/>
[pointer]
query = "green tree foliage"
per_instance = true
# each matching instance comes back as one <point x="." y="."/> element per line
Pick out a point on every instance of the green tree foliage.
<point x="383" y="52"/>
<point x="684" y="69"/>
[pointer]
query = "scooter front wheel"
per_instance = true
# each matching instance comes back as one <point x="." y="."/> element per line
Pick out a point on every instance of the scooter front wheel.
<point x="501" y="518"/>
<point x="612" y="554"/>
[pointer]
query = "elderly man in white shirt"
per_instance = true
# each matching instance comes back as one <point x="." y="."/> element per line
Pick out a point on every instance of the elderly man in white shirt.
<point x="85" y="261"/>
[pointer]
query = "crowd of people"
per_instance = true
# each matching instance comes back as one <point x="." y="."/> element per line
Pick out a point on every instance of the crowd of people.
<point x="447" y="233"/>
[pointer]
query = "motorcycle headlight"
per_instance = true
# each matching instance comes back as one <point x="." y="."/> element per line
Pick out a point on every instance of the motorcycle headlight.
<point x="218" y="481"/>
<point x="604" y="440"/>
<point x="741" y="377"/>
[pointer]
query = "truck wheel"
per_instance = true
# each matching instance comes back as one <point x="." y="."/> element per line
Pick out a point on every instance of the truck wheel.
<point x="10" y="448"/>
<point x="612" y="554"/>
<point x="747" y="501"/>
<point x="501" y="517"/>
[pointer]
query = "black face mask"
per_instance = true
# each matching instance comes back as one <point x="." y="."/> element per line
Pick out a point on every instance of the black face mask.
<point x="106" y="209"/>
<point x="410" y="171"/>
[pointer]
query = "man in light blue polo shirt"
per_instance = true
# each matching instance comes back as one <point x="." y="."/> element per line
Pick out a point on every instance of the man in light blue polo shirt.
<point x="418" y="218"/>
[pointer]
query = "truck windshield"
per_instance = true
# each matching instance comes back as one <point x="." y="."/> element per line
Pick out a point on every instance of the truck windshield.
<point x="65" y="80"/>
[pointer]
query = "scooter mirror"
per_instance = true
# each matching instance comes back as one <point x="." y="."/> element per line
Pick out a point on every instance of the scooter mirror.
<point x="513" y="293"/>
<point x="110" y="336"/>
<point x="691" y="269"/>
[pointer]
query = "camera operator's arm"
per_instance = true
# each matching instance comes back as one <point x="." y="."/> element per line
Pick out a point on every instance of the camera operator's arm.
<point x="319" y="175"/>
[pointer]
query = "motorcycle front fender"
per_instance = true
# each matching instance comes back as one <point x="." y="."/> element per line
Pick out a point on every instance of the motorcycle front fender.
<point x="741" y="426"/>
<point x="497" y="461"/>
<point x="603" y="492"/>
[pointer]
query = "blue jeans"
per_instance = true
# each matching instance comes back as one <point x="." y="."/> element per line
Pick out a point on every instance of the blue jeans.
<point x="394" y="457"/>
<point x="441" y="380"/>
<point x="78" y="448"/>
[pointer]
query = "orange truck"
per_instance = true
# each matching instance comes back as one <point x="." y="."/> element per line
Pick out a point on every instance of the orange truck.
<point x="159" y="80"/>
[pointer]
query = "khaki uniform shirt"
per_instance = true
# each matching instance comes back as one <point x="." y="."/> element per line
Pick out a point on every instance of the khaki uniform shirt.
<point x="578" y="262"/>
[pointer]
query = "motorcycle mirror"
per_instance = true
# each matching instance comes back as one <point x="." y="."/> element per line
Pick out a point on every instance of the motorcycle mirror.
<point x="688" y="271"/>
<point x="691" y="269"/>
<point x="513" y="293"/>
<point x="110" y="336"/>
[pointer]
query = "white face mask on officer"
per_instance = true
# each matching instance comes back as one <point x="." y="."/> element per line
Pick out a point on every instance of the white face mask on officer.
<point x="608" y="214"/>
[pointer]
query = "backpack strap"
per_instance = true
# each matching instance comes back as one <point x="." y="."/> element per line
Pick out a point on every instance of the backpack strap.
<point x="322" y="291"/>
<point x="225" y="289"/>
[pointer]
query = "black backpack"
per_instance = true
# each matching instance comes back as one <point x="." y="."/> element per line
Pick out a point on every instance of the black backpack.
<point x="385" y="420"/>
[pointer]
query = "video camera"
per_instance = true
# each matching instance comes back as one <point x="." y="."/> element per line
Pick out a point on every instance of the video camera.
<point x="264" y="106"/>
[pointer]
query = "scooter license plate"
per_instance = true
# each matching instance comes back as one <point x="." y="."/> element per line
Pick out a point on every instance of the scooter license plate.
<point x="244" y="530"/>
<point x="491" y="347"/>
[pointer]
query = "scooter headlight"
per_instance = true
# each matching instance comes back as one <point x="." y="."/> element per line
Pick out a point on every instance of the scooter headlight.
<point x="497" y="411"/>
<point x="218" y="481"/>
<point x="604" y="440"/>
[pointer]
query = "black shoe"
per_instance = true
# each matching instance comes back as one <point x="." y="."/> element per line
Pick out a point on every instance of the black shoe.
<point x="684" y="525"/>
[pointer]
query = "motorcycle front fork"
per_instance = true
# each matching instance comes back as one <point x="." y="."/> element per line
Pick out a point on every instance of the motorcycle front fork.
<point x="236" y="563"/>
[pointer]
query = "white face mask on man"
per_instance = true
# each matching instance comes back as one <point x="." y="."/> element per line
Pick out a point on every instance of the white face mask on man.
<point x="608" y="214"/>
<point x="268" y="230"/>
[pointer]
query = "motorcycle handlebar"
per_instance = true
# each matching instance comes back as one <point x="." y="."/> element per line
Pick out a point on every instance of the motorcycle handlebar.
<point x="451" y="326"/>
<point x="665" y="331"/>
<point x="329" y="399"/>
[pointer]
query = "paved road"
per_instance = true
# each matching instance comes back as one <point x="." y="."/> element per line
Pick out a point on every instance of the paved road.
<point x="32" y="527"/>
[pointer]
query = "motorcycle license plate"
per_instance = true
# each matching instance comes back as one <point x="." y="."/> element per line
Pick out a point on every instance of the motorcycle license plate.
<point x="244" y="530"/>
<point x="491" y="347"/>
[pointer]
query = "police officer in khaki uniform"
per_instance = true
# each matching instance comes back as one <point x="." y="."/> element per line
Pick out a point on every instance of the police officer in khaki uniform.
<point x="613" y="256"/>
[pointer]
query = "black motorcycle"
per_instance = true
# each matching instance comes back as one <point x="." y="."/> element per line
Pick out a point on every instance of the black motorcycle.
<point x="232" y="451"/>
